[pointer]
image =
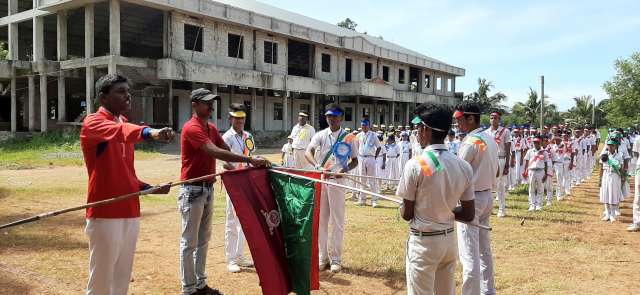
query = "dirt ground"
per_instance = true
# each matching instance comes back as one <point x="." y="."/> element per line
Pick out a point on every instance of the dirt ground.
<point x="565" y="249"/>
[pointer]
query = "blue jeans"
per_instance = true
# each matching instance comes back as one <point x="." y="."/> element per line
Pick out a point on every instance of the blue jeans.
<point x="196" y="206"/>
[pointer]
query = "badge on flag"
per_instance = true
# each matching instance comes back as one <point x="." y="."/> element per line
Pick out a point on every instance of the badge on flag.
<point x="248" y="142"/>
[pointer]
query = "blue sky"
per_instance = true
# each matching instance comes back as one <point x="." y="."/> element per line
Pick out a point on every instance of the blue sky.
<point x="573" y="43"/>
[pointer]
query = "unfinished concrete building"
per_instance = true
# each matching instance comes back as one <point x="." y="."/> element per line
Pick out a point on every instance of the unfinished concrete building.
<point x="274" y="61"/>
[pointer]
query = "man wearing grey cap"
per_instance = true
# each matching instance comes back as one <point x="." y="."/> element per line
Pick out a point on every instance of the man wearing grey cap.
<point x="201" y="144"/>
<point x="301" y="135"/>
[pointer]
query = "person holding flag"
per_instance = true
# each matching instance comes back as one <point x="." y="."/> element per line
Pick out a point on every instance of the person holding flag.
<point x="535" y="170"/>
<point x="431" y="186"/>
<point x="240" y="142"/>
<point x="301" y="135"/>
<point x="201" y="144"/>
<point x="481" y="152"/>
<point x="502" y="137"/>
<point x="368" y="150"/>
<point x="332" y="149"/>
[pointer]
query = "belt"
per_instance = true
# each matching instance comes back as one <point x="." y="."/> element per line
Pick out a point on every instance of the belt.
<point x="502" y="157"/>
<point x="200" y="183"/>
<point x="405" y="152"/>
<point x="392" y="156"/>
<point x="558" y="162"/>
<point x="418" y="233"/>
<point x="535" y="169"/>
<point x="365" y="156"/>
<point x="484" y="190"/>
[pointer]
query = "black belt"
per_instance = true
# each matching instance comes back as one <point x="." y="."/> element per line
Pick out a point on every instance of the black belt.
<point x="392" y="157"/>
<point x="418" y="233"/>
<point x="482" y="191"/>
<point x="366" y="156"/>
<point x="201" y="183"/>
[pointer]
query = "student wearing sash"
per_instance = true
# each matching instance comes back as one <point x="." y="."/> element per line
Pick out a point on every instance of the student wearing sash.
<point x="516" y="159"/>
<point x="431" y="186"/>
<point x="535" y="166"/>
<point x="368" y="150"/>
<point x="612" y="178"/>
<point x="301" y="135"/>
<point x="635" y="223"/>
<point x="502" y="137"/>
<point x="332" y="149"/>
<point x="558" y="150"/>
<point x="240" y="142"/>
<point x="474" y="245"/>
<point x="551" y="159"/>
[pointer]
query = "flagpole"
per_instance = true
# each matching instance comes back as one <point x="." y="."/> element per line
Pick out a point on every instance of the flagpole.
<point x="363" y="191"/>
<point x="336" y="173"/>
<point x="105" y="202"/>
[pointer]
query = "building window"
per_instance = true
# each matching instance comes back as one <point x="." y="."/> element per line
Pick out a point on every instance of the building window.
<point x="385" y="73"/>
<point x="235" y="46"/>
<point x="270" y="52"/>
<point x="368" y="70"/>
<point x="192" y="38"/>
<point x="347" y="70"/>
<point x="326" y="63"/>
<point x="427" y="81"/>
<point x="348" y="114"/>
<point x="438" y="83"/>
<point x="401" y="76"/>
<point x="449" y="85"/>
<point x="304" y="107"/>
<point x="277" y="111"/>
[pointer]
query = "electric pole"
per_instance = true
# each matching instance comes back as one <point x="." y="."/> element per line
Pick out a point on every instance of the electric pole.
<point x="541" y="102"/>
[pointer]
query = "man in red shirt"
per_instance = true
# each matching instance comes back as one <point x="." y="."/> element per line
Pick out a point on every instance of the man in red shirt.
<point x="201" y="145"/>
<point x="107" y="145"/>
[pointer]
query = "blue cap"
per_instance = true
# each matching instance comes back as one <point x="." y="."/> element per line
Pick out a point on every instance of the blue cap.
<point x="333" y="112"/>
<point x="364" y="122"/>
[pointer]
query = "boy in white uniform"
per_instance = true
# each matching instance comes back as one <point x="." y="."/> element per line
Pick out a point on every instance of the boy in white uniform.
<point x="568" y="158"/>
<point x="502" y="137"/>
<point x="240" y="142"/>
<point x="405" y="149"/>
<point x="430" y="196"/>
<point x="382" y="169"/>
<point x="288" y="158"/>
<point x="536" y="172"/>
<point x="321" y="154"/>
<point x="551" y="160"/>
<point x="368" y="150"/>
<point x="635" y="224"/>
<point x="393" y="165"/>
<point x="301" y="135"/>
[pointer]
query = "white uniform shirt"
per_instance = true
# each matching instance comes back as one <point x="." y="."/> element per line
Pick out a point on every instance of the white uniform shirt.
<point x="236" y="143"/>
<point x="483" y="158"/>
<point x="302" y="136"/>
<point x="393" y="150"/>
<point x="289" y="160"/>
<point x="323" y="142"/>
<point x="502" y="136"/>
<point x="405" y="147"/>
<point x="568" y="148"/>
<point x="453" y="146"/>
<point x="536" y="158"/>
<point x="368" y="143"/>
<point x="636" y="149"/>
<point x="518" y="144"/>
<point x="437" y="195"/>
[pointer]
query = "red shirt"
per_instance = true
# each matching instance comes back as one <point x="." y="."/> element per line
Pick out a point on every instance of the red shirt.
<point x="195" y="161"/>
<point x="107" y="146"/>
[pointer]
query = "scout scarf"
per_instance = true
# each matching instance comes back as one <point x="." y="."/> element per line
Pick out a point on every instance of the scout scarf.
<point x="429" y="163"/>
<point x="477" y="140"/>
<point x="498" y="136"/>
<point x="337" y="146"/>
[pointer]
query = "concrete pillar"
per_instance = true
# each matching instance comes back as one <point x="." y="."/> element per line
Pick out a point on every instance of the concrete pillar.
<point x="393" y="113"/>
<point x="13" y="7"/>
<point x="114" y="27"/>
<point x="312" y="117"/>
<point x="166" y="34"/>
<point x="285" y="111"/>
<point x="90" y="91"/>
<point x="170" y="94"/>
<point x="88" y="30"/>
<point x="13" y="42"/>
<point x="374" y="113"/>
<point x="407" y="115"/>
<point x="254" y="109"/>
<point x="38" y="38"/>
<point x="62" y="35"/>
<point x="44" y="112"/>
<point x="62" y="98"/>
<point x="14" y="101"/>
<point x="358" y="114"/>
<point x="32" y="103"/>
<point x="264" y="109"/>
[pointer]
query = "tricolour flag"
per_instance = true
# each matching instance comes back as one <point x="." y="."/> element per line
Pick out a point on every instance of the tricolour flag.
<point x="478" y="140"/>
<point x="429" y="163"/>
<point x="279" y="216"/>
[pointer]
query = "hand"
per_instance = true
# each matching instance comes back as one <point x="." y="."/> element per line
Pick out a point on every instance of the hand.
<point x="383" y="166"/>
<point x="228" y="166"/>
<point x="525" y="175"/>
<point x="544" y="178"/>
<point x="259" y="162"/>
<point x="513" y="162"/>
<point x="505" y="171"/>
<point x="164" y="135"/>
<point x="570" y="166"/>
<point x="163" y="189"/>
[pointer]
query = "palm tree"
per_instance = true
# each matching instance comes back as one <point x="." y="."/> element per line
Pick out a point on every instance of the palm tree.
<point x="581" y="112"/>
<point x="530" y="109"/>
<point x="486" y="102"/>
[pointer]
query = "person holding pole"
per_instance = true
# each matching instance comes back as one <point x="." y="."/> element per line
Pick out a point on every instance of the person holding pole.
<point x="332" y="149"/>
<point x="431" y="186"/>
<point x="481" y="152"/>
<point x="201" y="144"/>
<point x="107" y="141"/>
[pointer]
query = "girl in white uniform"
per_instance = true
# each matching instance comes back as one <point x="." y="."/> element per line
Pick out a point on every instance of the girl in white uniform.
<point x="393" y="168"/>
<point x="382" y="166"/>
<point x="611" y="186"/>
<point x="406" y="150"/>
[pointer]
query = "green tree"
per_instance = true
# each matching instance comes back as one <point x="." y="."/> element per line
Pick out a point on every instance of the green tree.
<point x="348" y="24"/>
<point x="529" y="110"/>
<point x="583" y="111"/>
<point x="624" y="92"/>
<point x="486" y="102"/>
<point x="3" y="51"/>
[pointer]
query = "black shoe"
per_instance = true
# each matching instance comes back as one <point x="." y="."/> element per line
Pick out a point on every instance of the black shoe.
<point x="206" y="290"/>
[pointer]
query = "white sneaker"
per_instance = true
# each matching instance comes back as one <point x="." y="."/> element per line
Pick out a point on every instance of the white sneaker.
<point x="538" y="207"/>
<point x="501" y="213"/>
<point x="531" y="208"/>
<point x="322" y="265"/>
<point x="605" y="218"/>
<point x="617" y="212"/>
<point x="244" y="262"/>
<point x="634" y="227"/>
<point x="548" y="203"/>
<point x="233" y="267"/>
<point x="336" y="267"/>
<point x="374" y="204"/>
<point x="612" y="218"/>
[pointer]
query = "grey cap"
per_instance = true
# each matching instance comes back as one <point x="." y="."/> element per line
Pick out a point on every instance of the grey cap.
<point x="202" y="94"/>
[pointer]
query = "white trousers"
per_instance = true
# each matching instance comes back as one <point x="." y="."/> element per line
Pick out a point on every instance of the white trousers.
<point x="501" y="184"/>
<point x="393" y="170"/>
<point x="517" y="171"/>
<point x="548" y="184"/>
<point x="300" y="161"/>
<point x="431" y="264"/>
<point x="560" y="187"/>
<point x="367" y="167"/>
<point x="567" y="178"/>
<point x="233" y="235"/>
<point x="536" y="187"/>
<point x="474" y="246"/>
<point x="331" y="212"/>
<point x="636" y="200"/>
<point x="577" y="169"/>
<point x="112" y="243"/>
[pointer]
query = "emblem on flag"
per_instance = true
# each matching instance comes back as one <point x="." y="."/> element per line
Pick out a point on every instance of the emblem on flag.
<point x="250" y="144"/>
<point x="272" y="218"/>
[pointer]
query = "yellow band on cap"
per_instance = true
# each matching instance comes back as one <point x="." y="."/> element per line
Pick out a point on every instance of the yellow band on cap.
<point x="238" y="114"/>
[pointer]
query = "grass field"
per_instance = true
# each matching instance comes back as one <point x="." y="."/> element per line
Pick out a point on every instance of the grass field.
<point x="564" y="249"/>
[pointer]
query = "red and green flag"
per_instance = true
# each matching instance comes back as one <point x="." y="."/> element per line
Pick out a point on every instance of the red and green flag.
<point x="279" y="216"/>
